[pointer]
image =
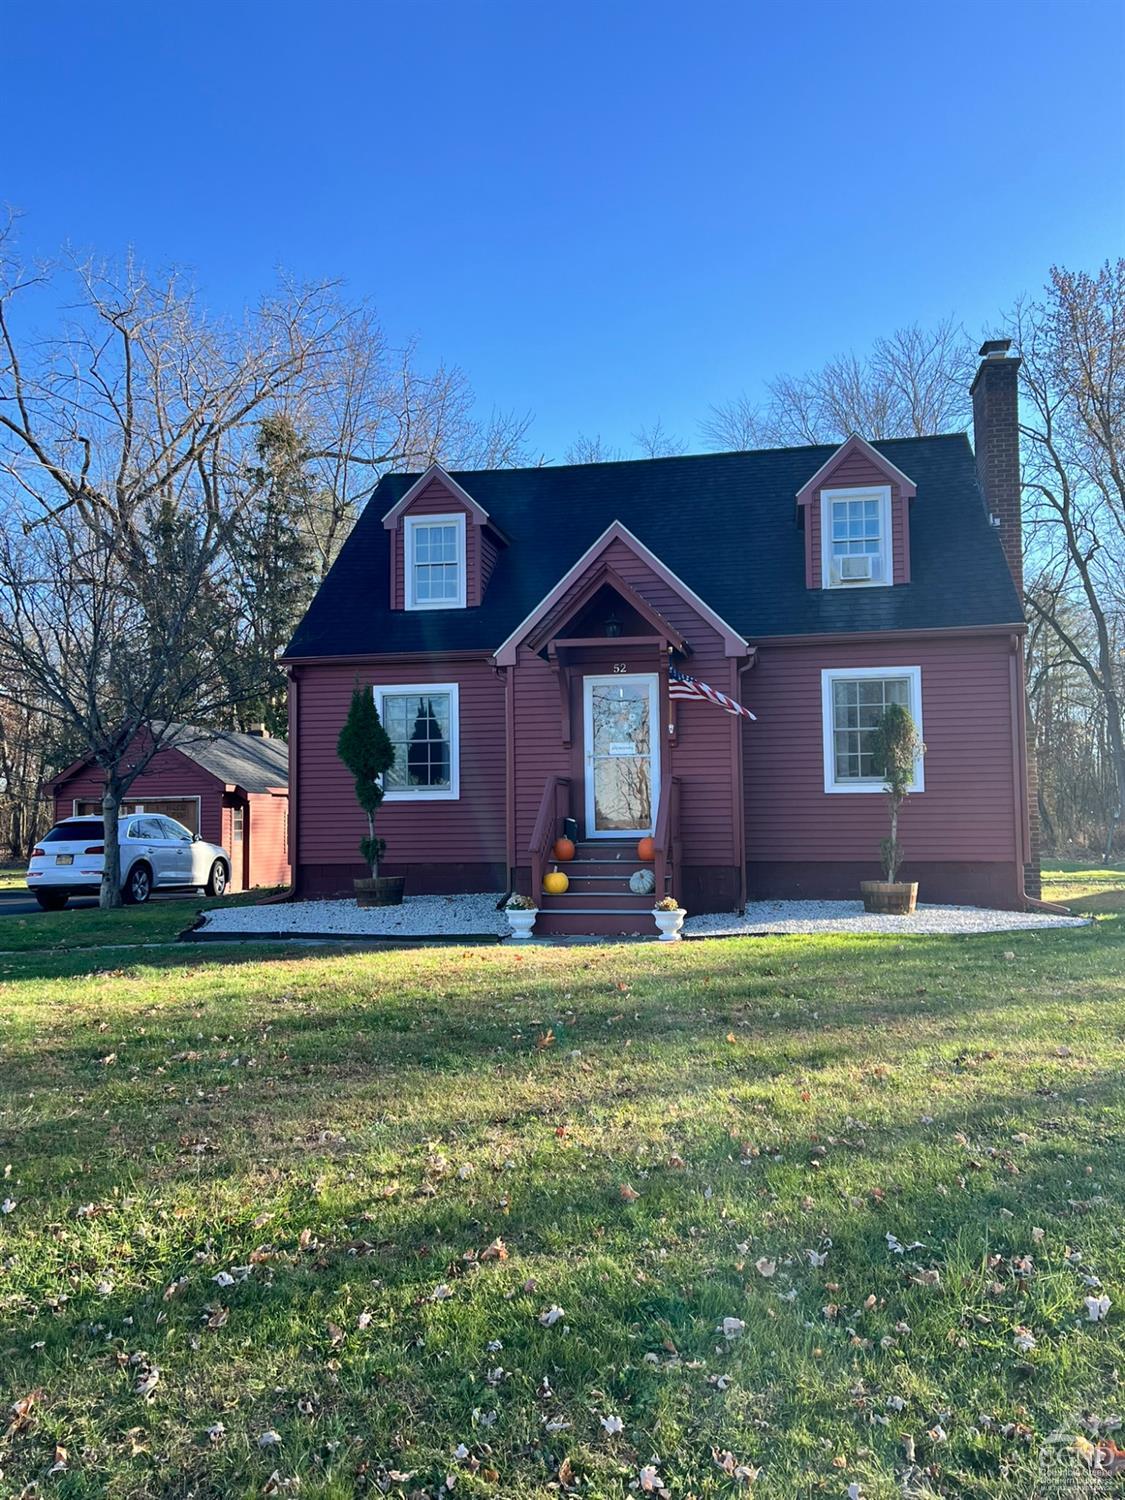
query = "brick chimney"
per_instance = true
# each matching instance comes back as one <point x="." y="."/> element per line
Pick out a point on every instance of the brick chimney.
<point x="996" y="437"/>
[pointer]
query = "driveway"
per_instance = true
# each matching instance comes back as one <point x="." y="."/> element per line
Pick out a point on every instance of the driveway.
<point x="18" y="902"/>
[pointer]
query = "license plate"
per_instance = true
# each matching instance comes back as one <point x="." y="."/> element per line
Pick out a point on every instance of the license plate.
<point x="64" y="859"/>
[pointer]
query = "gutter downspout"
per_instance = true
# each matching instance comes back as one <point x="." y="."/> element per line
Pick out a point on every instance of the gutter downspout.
<point x="290" y="892"/>
<point x="1019" y="780"/>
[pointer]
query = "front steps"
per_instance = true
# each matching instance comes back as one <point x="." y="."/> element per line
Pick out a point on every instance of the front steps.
<point x="599" y="902"/>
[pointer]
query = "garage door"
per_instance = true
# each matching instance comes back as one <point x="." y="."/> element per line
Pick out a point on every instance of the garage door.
<point x="185" y="810"/>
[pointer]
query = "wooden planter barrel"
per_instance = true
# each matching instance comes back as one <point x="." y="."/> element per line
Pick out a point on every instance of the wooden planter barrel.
<point x="385" y="890"/>
<point x="885" y="899"/>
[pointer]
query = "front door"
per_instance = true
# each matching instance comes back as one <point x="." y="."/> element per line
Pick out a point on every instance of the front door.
<point x="622" y="745"/>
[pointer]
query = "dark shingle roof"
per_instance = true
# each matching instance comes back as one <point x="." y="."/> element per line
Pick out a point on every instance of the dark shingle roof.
<point x="724" y="522"/>
<point x="244" y="760"/>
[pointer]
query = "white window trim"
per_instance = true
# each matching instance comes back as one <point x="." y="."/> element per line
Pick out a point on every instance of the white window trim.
<point x="880" y="492"/>
<point x="850" y="784"/>
<point x="455" y="518"/>
<point x="425" y="793"/>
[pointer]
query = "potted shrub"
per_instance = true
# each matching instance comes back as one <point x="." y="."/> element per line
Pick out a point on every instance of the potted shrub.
<point x="365" y="748"/>
<point x="669" y="916"/>
<point x="521" y="911"/>
<point x="898" y="746"/>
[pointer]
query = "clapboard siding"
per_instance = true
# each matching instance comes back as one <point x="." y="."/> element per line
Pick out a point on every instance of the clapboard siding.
<point x="856" y="469"/>
<point x="489" y="552"/>
<point x="967" y="811"/>
<point x="267" y="830"/>
<point x="468" y="830"/>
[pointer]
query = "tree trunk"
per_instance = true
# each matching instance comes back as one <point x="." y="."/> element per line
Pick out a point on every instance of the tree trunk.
<point x="110" y="893"/>
<point x="371" y="836"/>
<point x="892" y="842"/>
<point x="1117" y="760"/>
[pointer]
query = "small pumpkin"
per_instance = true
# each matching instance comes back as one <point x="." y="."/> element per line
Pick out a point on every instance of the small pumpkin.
<point x="646" y="849"/>
<point x="555" y="883"/>
<point x="563" y="850"/>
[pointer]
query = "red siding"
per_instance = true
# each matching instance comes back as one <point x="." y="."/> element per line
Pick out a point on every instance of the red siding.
<point x="489" y="552"/>
<point x="856" y="469"/>
<point x="266" y="830"/>
<point x="966" y="813"/>
<point x="437" y="500"/>
<point x="469" y="830"/>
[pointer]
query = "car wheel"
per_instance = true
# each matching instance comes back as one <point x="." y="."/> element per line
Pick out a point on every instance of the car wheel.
<point x="217" y="884"/>
<point x="52" y="900"/>
<point x="138" y="886"/>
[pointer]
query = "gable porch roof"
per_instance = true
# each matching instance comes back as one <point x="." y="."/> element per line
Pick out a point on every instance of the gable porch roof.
<point x="733" y="643"/>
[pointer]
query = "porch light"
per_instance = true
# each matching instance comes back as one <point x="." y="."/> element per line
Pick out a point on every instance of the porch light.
<point x="612" y="624"/>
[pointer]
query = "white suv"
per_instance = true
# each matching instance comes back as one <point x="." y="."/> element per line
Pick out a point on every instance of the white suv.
<point x="157" y="853"/>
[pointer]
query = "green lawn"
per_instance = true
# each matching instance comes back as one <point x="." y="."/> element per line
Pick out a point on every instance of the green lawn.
<point x="88" y="927"/>
<point x="1091" y="886"/>
<point x="406" y="1160"/>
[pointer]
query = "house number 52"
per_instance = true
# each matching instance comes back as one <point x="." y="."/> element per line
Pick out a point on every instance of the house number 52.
<point x="619" y="667"/>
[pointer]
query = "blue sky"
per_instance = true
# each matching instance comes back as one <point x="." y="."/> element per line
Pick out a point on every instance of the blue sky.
<point x="608" y="212"/>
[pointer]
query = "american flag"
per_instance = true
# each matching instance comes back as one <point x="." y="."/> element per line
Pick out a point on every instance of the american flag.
<point x="682" y="686"/>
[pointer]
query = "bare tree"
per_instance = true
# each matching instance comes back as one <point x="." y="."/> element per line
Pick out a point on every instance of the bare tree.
<point x="130" y="488"/>
<point x="591" y="450"/>
<point x="655" y="441"/>
<point x="911" y="383"/>
<point x="120" y="441"/>
<point x="27" y="758"/>
<point x="373" y="410"/>
<point x="1072" y="343"/>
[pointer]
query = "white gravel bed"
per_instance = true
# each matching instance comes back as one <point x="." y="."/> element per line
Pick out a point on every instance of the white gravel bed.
<point x="849" y="916"/>
<point x="418" y="916"/>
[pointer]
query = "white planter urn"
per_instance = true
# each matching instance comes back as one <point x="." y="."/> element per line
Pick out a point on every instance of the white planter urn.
<point x="669" y="924"/>
<point x="521" y="922"/>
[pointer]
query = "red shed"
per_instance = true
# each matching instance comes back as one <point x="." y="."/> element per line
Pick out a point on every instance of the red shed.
<point x="230" y="788"/>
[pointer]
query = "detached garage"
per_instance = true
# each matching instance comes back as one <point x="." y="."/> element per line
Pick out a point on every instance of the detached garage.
<point x="230" y="788"/>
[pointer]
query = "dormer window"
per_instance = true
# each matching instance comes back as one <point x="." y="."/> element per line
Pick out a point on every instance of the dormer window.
<point x="435" y="562"/>
<point x="856" y="537"/>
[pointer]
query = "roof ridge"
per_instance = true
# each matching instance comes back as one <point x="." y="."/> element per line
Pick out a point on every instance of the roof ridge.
<point x="829" y="445"/>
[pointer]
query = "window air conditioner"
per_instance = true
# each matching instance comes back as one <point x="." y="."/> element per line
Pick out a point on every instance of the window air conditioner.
<point x="855" y="569"/>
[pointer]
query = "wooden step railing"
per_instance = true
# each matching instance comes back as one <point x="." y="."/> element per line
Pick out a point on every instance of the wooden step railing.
<point x="553" y="808"/>
<point x="667" y="838"/>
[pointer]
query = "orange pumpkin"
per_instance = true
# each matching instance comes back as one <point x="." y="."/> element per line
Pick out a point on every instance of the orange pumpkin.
<point x="646" y="849"/>
<point x="555" y="883"/>
<point x="563" y="850"/>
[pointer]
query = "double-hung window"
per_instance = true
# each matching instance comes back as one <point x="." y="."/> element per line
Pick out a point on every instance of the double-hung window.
<point x="856" y="537"/>
<point x="435" y="562"/>
<point x="423" y="724"/>
<point x="853" y="700"/>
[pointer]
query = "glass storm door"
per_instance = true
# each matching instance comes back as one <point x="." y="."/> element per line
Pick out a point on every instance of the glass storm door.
<point x="622" y="755"/>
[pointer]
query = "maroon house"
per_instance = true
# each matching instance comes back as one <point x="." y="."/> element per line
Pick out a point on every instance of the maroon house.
<point x="230" y="788"/>
<point x="518" y="628"/>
